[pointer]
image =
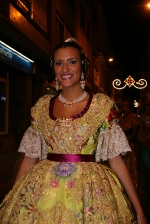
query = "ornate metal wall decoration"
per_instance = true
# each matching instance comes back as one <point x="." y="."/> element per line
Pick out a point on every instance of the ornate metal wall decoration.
<point x="141" y="84"/>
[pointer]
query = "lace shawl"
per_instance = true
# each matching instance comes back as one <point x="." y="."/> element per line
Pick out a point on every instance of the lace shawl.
<point x="33" y="144"/>
<point x="111" y="143"/>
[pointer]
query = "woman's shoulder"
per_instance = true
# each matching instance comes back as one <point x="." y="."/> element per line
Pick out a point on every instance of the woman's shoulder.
<point x="42" y="102"/>
<point x="44" y="99"/>
<point x="135" y="116"/>
<point x="143" y="118"/>
<point x="101" y="97"/>
<point x="135" y="119"/>
<point x="102" y="105"/>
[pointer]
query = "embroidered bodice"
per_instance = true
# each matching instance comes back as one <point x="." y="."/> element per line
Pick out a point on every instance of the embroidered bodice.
<point x="93" y="132"/>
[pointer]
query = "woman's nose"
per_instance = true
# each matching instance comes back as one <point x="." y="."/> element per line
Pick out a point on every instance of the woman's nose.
<point x="65" y="67"/>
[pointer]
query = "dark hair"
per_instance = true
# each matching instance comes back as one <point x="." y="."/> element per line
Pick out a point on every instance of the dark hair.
<point x="69" y="44"/>
<point x="84" y="65"/>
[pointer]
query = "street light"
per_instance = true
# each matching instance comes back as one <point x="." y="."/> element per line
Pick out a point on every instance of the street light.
<point x="147" y="3"/>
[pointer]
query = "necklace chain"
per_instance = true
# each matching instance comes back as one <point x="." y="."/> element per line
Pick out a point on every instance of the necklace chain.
<point x="68" y="103"/>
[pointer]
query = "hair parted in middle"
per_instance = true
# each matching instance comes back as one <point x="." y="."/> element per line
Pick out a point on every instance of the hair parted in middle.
<point x="72" y="42"/>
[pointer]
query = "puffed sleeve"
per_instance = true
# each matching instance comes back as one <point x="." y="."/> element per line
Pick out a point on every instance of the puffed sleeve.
<point x="111" y="140"/>
<point x="33" y="143"/>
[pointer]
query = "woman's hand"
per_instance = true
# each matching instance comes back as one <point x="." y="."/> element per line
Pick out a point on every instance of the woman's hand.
<point x="118" y="166"/>
<point x="25" y="164"/>
<point x="142" y="220"/>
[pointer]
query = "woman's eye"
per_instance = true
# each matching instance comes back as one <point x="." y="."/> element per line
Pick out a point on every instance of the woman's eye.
<point x="73" y="62"/>
<point x="58" y="63"/>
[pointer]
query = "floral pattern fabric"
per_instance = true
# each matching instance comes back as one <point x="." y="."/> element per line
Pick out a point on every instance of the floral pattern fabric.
<point x="53" y="192"/>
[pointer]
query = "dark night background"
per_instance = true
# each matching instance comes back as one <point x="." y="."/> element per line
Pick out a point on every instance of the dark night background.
<point x="128" y="28"/>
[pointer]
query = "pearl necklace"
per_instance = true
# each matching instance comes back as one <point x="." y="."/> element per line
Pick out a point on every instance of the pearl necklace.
<point x="68" y="103"/>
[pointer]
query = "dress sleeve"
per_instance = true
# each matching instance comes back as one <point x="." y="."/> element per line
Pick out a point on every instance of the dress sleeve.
<point x="111" y="140"/>
<point x="33" y="144"/>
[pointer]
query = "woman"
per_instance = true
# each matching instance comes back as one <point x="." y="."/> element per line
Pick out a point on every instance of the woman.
<point x="138" y="160"/>
<point x="59" y="181"/>
<point x="144" y="134"/>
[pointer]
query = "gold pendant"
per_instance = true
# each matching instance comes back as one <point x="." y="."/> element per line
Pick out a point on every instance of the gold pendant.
<point x="68" y="104"/>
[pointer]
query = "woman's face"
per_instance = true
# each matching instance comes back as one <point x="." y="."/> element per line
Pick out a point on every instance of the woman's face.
<point x="125" y="107"/>
<point x="67" y="66"/>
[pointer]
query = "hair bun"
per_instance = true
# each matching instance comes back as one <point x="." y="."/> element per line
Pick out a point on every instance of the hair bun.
<point x="71" y="39"/>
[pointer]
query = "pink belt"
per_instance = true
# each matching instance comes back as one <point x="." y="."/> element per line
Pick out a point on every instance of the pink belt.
<point x="74" y="158"/>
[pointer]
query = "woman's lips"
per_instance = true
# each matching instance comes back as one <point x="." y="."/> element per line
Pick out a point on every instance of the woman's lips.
<point x="66" y="77"/>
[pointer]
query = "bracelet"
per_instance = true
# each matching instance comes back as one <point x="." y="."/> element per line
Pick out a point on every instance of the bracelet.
<point x="141" y="217"/>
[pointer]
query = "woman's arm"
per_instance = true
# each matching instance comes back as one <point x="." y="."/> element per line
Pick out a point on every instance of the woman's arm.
<point x="118" y="166"/>
<point x="25" y="164"/>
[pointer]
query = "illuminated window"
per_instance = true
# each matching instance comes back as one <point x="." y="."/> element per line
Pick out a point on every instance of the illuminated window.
<point x="39" y="11"/>
<point x="35" y="11"/>
<point x="24" y="5"/>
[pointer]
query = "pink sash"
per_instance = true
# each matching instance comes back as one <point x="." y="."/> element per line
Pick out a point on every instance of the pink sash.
<point x="74" y="158"/>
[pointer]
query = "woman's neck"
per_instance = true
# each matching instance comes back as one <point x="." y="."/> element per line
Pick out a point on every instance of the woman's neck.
<point x="72" y="93"/>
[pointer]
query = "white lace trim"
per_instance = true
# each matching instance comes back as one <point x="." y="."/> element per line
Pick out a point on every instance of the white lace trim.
<point x="33" y="144"/>
<point x="111" y="143"/>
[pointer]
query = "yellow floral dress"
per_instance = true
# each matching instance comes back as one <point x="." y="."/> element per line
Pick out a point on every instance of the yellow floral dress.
<point x="53" y="192"/>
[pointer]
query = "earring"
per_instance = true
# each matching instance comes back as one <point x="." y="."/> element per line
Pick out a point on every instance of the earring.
<point x="57" y="84"/>
<point x="51" y="62"/>
<point x="82" y="82"/>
